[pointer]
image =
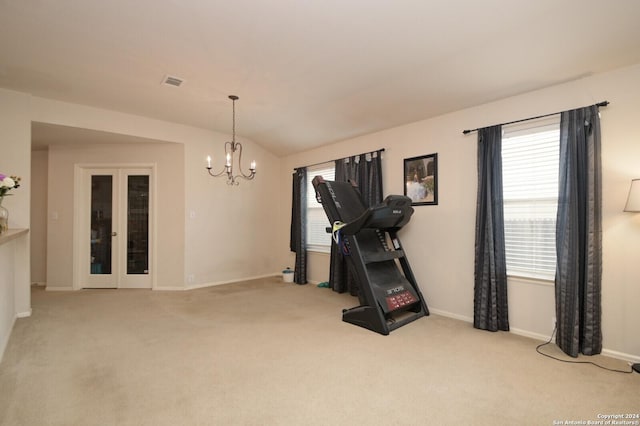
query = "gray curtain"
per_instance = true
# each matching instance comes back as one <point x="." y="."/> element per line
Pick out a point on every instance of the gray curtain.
<point x="298" y="237"/>
<point x="579" y="234"/>
<point x="490" y="275"/>
<point x="366" y="171"/>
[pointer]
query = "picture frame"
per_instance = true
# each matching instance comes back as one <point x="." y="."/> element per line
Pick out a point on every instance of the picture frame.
<point x="421" y="179"/>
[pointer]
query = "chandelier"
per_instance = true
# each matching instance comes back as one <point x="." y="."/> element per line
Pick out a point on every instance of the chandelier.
<point x="230" y="149"/>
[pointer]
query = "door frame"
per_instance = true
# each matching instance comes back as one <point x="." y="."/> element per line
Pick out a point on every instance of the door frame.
<point x="79" y="200"/>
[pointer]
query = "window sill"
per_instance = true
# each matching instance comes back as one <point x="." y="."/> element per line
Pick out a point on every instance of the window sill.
<point x="319" y="250"/>
<point x="529" y="280"/>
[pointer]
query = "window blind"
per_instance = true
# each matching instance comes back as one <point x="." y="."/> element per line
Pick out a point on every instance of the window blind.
<point x="530" y="157"/>
<point x="317" y="237"/>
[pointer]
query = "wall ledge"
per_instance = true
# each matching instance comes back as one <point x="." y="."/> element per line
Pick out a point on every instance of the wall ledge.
<point x="12" y="234"/>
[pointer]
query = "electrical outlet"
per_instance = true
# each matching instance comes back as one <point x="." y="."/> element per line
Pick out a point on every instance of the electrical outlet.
<point x="191" y="278"/>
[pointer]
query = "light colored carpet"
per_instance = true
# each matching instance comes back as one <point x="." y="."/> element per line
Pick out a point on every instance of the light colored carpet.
<point x="269" y="353"/>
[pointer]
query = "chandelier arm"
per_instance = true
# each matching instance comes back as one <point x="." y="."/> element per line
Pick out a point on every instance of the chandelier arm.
<point x="249" y="177"/>
<point x="224" y="169"/>
<point x="242" y="173"/>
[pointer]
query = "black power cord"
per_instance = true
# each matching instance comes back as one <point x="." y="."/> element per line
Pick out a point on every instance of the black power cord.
<point x="574" y="362"/>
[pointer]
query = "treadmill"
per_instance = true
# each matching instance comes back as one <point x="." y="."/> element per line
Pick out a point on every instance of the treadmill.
<point x="367" y="237"/>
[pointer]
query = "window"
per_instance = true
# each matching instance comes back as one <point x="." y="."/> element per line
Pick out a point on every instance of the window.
<point x="317" y="237"/>
<point x="530" y="158"/>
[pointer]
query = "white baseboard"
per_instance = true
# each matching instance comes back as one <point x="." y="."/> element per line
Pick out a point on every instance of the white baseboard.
<point x="25" y="314"/>
<point x="5" y="339"/>
<point x="536" y="336"/>
<point x="172" y="288"/>
<point x="216" y="283"/>
<point x="50" y="288"/>
<point x="451" y="315"/>
<point x="621" y="355"/>
<point x="191" y="287"/>
<point x="213" y="284"/>
<point x="530" y="334"/>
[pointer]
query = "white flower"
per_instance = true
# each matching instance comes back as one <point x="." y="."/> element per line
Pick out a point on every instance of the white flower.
<point x="7" y="182"/>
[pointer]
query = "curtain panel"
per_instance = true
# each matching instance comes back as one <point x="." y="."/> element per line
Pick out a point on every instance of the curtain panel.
<point x="366" y="171"/>
<point x="579" y="234"/>
<point x="490" y="274"/>
<point x="298" y="237"/>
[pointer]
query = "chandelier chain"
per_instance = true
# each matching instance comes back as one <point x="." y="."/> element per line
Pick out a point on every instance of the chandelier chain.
<point x="234" y="121"/>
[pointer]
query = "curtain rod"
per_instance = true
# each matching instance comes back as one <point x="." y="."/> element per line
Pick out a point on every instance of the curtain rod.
<point x="329" y="161"/>
<point x="466" y="132"/>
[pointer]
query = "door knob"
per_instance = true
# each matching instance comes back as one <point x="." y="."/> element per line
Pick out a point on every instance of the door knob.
<point x="114" y="234"/>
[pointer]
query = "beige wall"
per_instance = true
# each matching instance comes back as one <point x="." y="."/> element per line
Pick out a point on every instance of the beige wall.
<point x="230" y="230"/>
<point x="15" y="153"/>
<point x="38" y="225"/>
<point x="439" y="240"/>
<point x="169" y="214"/>
<point x="7" y="294"/>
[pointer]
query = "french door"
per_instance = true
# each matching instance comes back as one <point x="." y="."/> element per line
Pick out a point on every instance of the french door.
<point x="115" y="238"/>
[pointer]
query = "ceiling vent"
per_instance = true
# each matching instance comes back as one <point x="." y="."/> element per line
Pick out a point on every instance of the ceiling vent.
<point x="170" y="80"/>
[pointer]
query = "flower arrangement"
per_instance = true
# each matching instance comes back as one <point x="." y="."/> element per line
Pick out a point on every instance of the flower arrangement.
<point x="7" y="183"/>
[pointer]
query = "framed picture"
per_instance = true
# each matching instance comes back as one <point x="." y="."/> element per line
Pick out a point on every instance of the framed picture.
<point x="421" y="179"/>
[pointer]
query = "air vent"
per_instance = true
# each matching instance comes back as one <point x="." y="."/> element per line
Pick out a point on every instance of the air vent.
<point x="172" y="81"/>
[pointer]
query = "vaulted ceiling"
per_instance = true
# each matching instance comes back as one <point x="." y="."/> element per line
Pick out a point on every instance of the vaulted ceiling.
<point x="308" y="72"/>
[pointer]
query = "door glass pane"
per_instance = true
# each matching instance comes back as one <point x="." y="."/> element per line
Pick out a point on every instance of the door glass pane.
<point x="101" y="197"/>
<point x="138" y="225"/>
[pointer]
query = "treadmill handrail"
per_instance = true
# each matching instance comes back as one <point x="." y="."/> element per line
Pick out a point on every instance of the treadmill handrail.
<point x="392" y="214"/>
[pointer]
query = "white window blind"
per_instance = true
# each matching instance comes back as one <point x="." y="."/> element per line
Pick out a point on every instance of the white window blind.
<point x="530" y="161"/>
<point x="317" y="237"/>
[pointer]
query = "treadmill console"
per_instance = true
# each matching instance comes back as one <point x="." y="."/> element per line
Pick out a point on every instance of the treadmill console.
<point x="399" y="298"/>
